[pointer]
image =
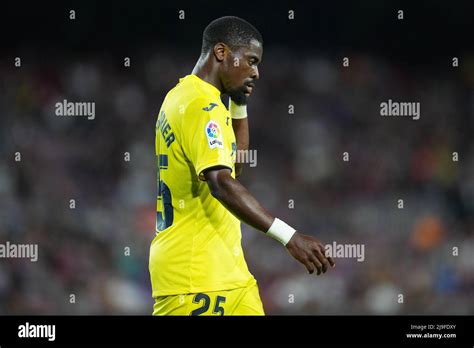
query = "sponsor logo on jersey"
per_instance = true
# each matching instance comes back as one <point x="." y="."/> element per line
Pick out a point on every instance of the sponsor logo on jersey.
<point x="210" y="107"/>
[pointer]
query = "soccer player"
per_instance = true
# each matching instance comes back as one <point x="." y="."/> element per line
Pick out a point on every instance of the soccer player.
<point x="196" y="261"/>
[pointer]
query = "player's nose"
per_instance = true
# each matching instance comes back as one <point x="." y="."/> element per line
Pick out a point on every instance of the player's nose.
<point x="255" y="75"/>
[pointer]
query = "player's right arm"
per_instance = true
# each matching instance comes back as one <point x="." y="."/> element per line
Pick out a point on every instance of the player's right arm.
<point x="239" y="201"/>
<point x="203" y="140"/>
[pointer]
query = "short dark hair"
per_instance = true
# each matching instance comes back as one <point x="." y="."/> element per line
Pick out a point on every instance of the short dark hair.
<point x="233" y="31"/>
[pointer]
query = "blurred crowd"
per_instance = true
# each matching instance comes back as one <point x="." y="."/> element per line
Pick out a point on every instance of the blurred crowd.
<point x="328" y="164"/>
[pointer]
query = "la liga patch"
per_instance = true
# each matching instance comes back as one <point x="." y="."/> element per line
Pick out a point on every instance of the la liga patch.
<point x="214" y="135"/>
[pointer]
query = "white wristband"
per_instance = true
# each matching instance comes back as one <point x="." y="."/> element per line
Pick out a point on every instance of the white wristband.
<point x="237" y="111"/>
<point x="281" y="231"/>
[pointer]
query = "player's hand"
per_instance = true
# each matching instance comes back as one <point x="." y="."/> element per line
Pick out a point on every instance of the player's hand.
<point x="310" y="252"/>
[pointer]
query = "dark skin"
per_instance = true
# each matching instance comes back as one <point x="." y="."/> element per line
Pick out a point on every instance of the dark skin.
<point x="234" y="73"/>
<point x="241" y="130"/>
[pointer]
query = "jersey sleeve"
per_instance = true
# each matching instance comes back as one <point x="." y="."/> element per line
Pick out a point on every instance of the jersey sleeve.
<point x="205" y="140"/>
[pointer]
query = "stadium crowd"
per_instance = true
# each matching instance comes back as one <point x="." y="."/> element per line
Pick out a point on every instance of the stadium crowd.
<point x="328" y="164"/>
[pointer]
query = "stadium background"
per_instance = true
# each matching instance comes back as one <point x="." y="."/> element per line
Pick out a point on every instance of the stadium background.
<point x="81" y="251"/>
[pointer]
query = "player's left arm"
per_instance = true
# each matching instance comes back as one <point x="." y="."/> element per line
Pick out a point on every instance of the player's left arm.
<point x="240" y="124"/>
<point x="306" y="249"/>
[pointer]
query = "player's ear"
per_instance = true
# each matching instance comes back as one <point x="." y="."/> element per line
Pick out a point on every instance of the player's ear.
<point x="220" y="51"/>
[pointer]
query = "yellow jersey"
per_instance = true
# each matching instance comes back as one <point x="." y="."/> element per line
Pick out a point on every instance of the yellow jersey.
<point x="197" y="247"/>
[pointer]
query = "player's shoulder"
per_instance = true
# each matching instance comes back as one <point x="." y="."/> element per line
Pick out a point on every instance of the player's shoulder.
<point x="200" y="97"/>
<point x="192" y="102"/>
<point x="198" y="106"/>
<point x="194" y="99"/>
<point x="206" y="104"/>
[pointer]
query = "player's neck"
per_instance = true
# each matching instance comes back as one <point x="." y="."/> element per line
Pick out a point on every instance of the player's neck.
<point x="206" y="71"/>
